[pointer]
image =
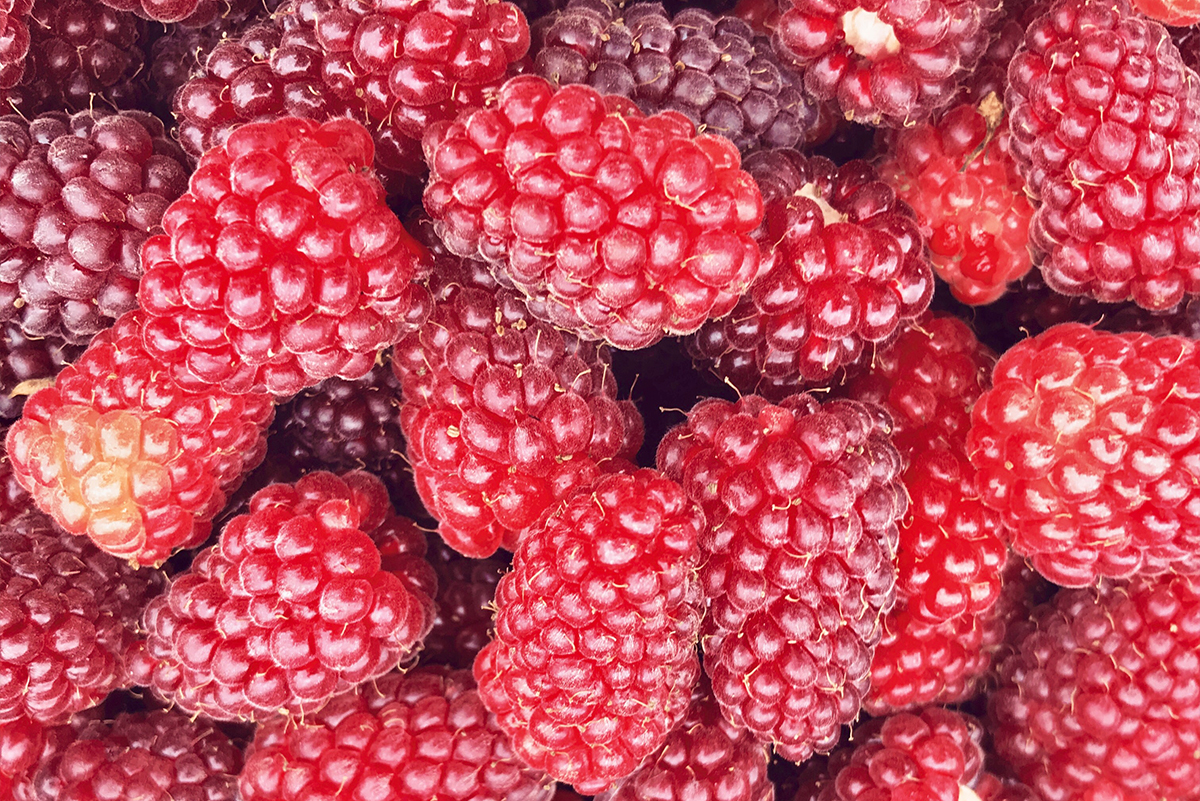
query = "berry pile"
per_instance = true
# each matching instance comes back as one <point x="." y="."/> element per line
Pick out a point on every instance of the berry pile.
<point x="544" y="400"/>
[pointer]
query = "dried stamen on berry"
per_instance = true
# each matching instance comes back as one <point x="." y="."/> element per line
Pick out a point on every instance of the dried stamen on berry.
<point x="868" y="35"/>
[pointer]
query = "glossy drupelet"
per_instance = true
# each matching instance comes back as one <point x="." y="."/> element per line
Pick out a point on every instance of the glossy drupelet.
<point x="1088" y="445"/>
<point x="504" y="415"/>
<point x="844" y="267"/>
<point x="281" y="265"/>
<point x="14" y="40"/>
<point x="1105" y="123"/>
<point x="79" y="196"/>
<point x="594" y="654"/>
<point x="117" y="450"/>
<point x="802" y="502"/>
<point x="1099" y="701"/>
<point x="68" y="612"/>
<point x="292" y="606"/>
<point x="615" y="225"/>
<point x="404" y="737"/>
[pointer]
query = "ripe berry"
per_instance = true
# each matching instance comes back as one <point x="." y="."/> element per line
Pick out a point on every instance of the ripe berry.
<point x="1170" y="12"/>
<point x="957" y="174"/>
<point x="1100" y="701"/>
<point x="398" y="67"/>
<point x="594" y="655"/>
<point x="717" y="71"/>
<point x="886" y="64"/>
<point x="14" y="499"/>
<point x="844" y="265"/>
<point x="292" y="606"/>
<point x="27" y="361"/>
<point x="1086" y="445"/>
<point x="802" y="502"/>
<point x="281" y="266"/>
<point x="615" y="225"/>
<point x="504" y="415"/>
<point x="79" y="196"/>
<point x="466" y="589"/>
<point x="146" y="755"/>
<point x="67" y="615"/>
<point x="119" y="451"/>
<point x="404" y="737"/>
<point x="1105" y="123"/>
<point x="14" y="40"/>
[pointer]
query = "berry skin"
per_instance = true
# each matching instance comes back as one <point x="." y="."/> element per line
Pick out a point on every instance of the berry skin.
<point x="617" y="226"/>
<point x="68" y="612"/>
<point x="79" y="196"/>
<point x="1086" y="444"/>
<point x="139" y="756"/>
<point x="14" y="499"/>
<point x="715" y="70"/>
<point x="1099" y="701"/>
<point x="119" y="451"/>
<point x="798" y="557"/>
<point x="28" y="359"/>
<point x="1106" y="133"/>
<point x="844" y="265"/>
<point x="191" y="13"/>
<point x="959" y="177"/>
<point x="14" y="40"/>
<point x="405" y="737"/>
<point x="292" y="606"/>
<point x="466" y="589"/>
<point x="399" y="67"/>
<point x="1170" y="12"/>
<point x="503" y="414"/>
<point x="891" y="65"/>
<point x="281" y="265"/>
<point x="594" y="655"/>
<point x="707" y="757"/>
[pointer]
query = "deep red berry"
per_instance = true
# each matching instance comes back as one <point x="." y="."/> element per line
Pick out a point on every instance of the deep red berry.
<point x="1105" y="123"/>
<point x="141" y="756"/>
<point x="117" y="450"/>
<point x="79" y="196"/>
<point x="68" y="612"/>
<point x="1100" y="700"/>
<point x="886" y="64"/>
<point x="1086" y="444"/>
<point x="14" y="499"/>
<point x="14" y="40"/>
<point x="957" y="174"/>
<point x="191" y="13"/>
<point x="398" y="67"/>
<point x="404" y="737"/>
<point x="466" y="589"/>
<point x="1170" y="12"/>
<point x="844" y="266"/>
<point x="504" y="415"/>
<point x="594" y="655"/>
<point x="281" y="265"/>
<point x="26" y="362"/>
<point x="802" y="502"/>
<point x="293" y="606"/>
<point x="716" y="70"/>
<point x="617" y="226"/>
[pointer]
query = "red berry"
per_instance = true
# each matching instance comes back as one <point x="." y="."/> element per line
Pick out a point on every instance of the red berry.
<point x="616" y="226"/>
<point x="1108" y="141"/>
<point x="282" y="265"/>
<point x="14" y="40"/>
<point x="466" y="590"/>
<point x="844" y="265"/>
<point x="1170" y="12"/>
<point x="119" y="451"/>
<point x="594" y="655"/>
<point x="802" y="502"/>
<point x="293" y="605"/>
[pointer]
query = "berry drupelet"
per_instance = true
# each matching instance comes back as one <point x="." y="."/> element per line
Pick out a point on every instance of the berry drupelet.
<point x="615" y="225"/>
<point x="190" y="13"/>
<point x="844" y="266"/>
<point x="802" y="502"/>
<point x="1087" y="445"/>
<point x="293" y="605"/>
<point x="79" y="196"/>
<point x="14" y="499"/>
<point x="884" y="64"/>
<point x="399" y="67"/>
<point x="14" y="40"/>
<point x="28" y="359"/>
<point x="68" y="612"/>
<point x="504" y="415"/>
<point x="594" y="656"/>
<point x="281" y="265"/>
<point x="144" y="756"/>
<point x="404" y="737"/>
<point x="716" y="70"/>
<point x="117" y="450"/>
<point x="1099" y="701"/>
<point x="1105" y="123"/>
